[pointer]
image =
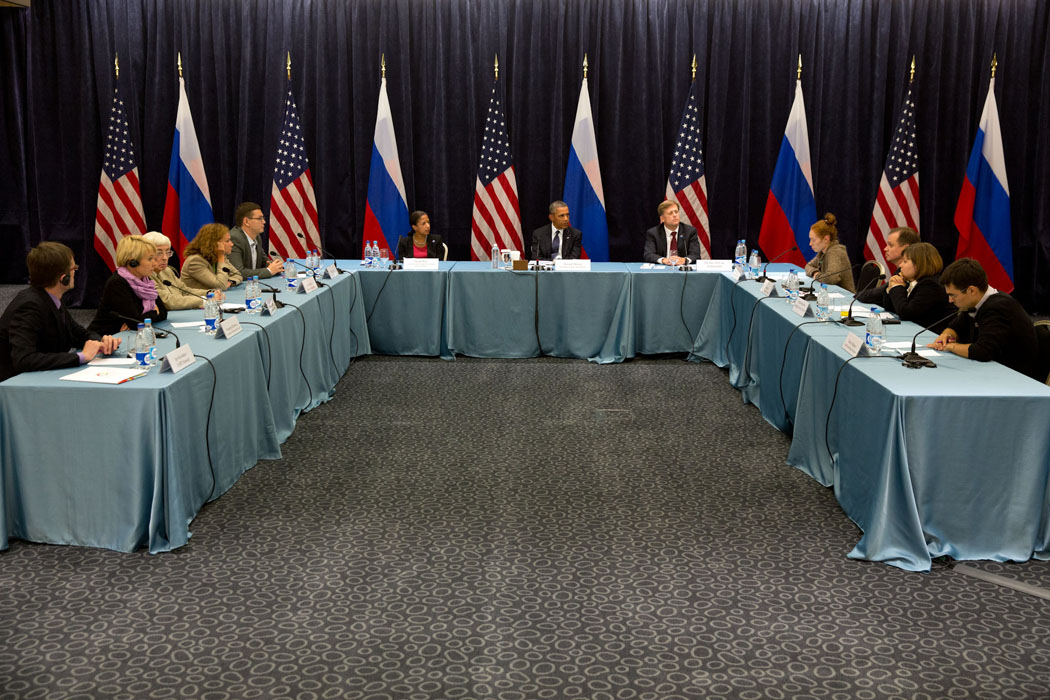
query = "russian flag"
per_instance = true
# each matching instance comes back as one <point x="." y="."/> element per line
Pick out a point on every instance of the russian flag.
<point x="583" y="184"/>
<point x="790" y="206"/>
<point x="187" y="206"/>
<point x="983" y="213"/>
<point x="386" y="210"/>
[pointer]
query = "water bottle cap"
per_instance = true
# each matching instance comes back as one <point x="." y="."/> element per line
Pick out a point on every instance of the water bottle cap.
<point x="874" y="310"/>
<point x="141" y="326"/>
<point x="148" y="321"/>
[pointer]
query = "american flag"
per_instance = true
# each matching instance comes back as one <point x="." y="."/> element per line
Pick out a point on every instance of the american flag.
<point x="897" y="203"/>
<point x="687" y="183"/>
<point x="496" y="218"/>
<point x="119" y="211"/>
<point x="293" y="209"/>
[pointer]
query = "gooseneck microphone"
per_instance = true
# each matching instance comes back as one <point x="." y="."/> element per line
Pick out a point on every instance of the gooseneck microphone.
<point x="849" y="320"/>
<point x="312" y="271"/>
<point x="913" y="359"/>
<point x="810" y="295"/>
<point x="324" y="251"/>
<point x="763" y="277"/>
<point x="158" y="332"/>
<point x="167" y="283"/>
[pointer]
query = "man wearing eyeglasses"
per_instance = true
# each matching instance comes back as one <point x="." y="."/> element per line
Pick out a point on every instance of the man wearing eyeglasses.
<point x="36" y="329"/>
<point x="248" y="255"/>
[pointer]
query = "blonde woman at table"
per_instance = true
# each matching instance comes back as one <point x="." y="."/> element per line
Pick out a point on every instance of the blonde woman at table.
<point x="915" y="293"/>
<point x="831" y="255"/>
<point x="129" y="293"/>
<point x="207" y="264"/>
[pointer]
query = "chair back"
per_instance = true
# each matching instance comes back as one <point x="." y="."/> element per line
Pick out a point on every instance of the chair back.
<point x="868" y="271"/>
<point x="1042" y="338"/>
<point x="444" y="248"/>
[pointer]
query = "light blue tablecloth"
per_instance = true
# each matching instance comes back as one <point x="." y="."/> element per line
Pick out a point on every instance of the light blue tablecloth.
<point x="668" y="307"/>
<point x="405" y="309"/>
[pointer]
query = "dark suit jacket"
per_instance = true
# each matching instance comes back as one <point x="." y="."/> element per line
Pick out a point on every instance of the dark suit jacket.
<point x="571" y="243"/>
<point x="36" y="335"/>
<point x="119" y="298"/>
<point x="406" y="250"/>
<point x="927" y="303"/>
<point x="241" y="255"/>
<point x="1002" y="331"/>
<point x="876" y="295"/>
<point x="656" y="244"/>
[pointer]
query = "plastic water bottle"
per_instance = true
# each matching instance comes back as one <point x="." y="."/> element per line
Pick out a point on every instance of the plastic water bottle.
<point x="495" y="257"/>
<point x="211" y="313"/>
<point x="791" y="287"/>
<point x="141" y="347"/>
<point x="315" y="259"/>
<point x="151" y="341"/>
<point x="252" y="296"/>
<point x="291" y="280"/>
<point x="740" y="256"/>
<point x="755" y="265"/>
<point x="823" y="303"/>
<point x="874" y="336"/>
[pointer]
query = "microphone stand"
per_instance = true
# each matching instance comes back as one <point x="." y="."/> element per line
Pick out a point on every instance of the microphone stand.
<point x="324" y="252"/>
<point x="810" y="295"/>
<point x="167" y="283"/>
<point x="312" y="271"/>
<point x="156" y="331"/>
<point x="849" y="320"/>
<point x="763" y="277"/>
<point x="913" y="359"/>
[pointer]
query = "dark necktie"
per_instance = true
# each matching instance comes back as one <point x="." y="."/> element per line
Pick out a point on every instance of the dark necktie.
<point x="674" y="244"/>
<point x="556" y="244"/>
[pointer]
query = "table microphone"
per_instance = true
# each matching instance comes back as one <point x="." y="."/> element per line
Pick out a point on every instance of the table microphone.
<point x="323" y="252"/>
<point x="763" y="277"/>
<point x="158" y="332"/>
<point x="312" y="271"/>
<point x="913" y="359"/>
<point x="849" y="320"/>
<point x="810" y="295"/>
<point x="167" y="283"/>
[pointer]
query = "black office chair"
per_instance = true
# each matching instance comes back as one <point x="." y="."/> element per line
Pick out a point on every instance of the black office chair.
<point x="1042" y="337"/>
<point x="868" y="271"/>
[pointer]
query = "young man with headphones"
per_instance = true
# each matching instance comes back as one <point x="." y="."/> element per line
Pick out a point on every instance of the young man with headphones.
<point x="36" y="330"/>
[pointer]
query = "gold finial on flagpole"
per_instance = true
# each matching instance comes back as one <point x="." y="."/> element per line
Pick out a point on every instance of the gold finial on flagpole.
<point x="288" y="65"/>
<point x="995" y="62"/>
<point x="116" y="64"/>
<point x="798" y="76"/>
<point x="495" y="66"/>
<point x="694" y="66"/>
<point x="382" y="65"/>
<point x="179" y="55"/>
<point x="584" y="66"/>
<point x="911" y="77"/>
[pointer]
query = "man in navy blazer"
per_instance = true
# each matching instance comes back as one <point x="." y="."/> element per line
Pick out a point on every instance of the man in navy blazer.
<point x="672" y="242"/>
<point x="559" y="238"/>
<point x="248" y="256"/>
<point x="36" y="330"/>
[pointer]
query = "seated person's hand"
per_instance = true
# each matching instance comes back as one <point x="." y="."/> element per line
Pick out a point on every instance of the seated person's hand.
<point x="896" y="281"/>
<point x="275" y="266"/>
<point x="110" y="344"/>
<point x="91" y="349"/>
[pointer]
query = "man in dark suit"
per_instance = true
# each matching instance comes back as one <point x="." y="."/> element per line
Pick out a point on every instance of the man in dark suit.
<point x="36" y="330"/>
<point x="559" y="238"/>
<point x="247" y="254"/>
<point x="671" y="242"/>
<point x="994" y="326"/>
<point x="896" y="241"/>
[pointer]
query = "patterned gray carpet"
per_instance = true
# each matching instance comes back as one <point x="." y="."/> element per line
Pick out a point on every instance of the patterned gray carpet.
<point x="517" y="530"/>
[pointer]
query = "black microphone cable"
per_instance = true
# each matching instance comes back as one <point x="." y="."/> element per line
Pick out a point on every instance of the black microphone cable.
<point x="375" y="303"/>
<point x="331" y="335"/>
<point x="745" y="370"/>
<point x="681" y="311"/>
<point x="302" y="347"/>
<point x="207" y="426"/>
<point x="535" y="302"/>
<point x="783" y="360"/>
<point x="269" y="351"/>
<point x="350" y="325"/>
<point x="732" y="307"/>
<point x="835" y="391"/>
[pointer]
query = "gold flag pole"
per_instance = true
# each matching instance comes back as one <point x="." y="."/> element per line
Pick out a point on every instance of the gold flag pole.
<point x="288" y="65"/>
<point x="180" y="63"/>
<point x="995" y="62"/>
<point x="382" y="65"/>
<point x="495" y="66"/>
<point x="116" y="65"/>
<point x="799" y="75"/>
<point x="911" y="77"/>
<point x="694" y="67"/>
<point x="584" y="66"/>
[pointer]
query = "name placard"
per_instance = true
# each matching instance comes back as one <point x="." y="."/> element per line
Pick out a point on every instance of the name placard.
<point x="420" y="263"/>
<point x="331" y="272"/>
<point x="228" y="328"/>
<point x="801" y="307"/>
<point x="177" y="360"/>
<point x="269" y="307"/>
<point x="736" y="274"/>
<point x="714" y="265"/>
<point x="852" y="344"/>
<point x="767" y="288"/>
<point x="572" y="265"/>
<point x="307" y="285"/>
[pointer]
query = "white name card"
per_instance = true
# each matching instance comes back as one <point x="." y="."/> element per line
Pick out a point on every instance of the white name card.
<point x="572" y="265"/>
<point x="800" y="306"/>
<point x="269" y="308"/>
<point x="307" y="285"/>
<point x="331" y="272"/>
<point x="767" y="288"/>
<point x="736" y="274"/>
<point x="852" y="344"/>
<point x="228" y="328"/>
<point x="420" y="264"/>
<point x="714" y="265"/>
<point x="177" y="360"/>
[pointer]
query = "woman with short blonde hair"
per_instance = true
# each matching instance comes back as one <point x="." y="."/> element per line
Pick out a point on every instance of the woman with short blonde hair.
<point x="129" y="294"/>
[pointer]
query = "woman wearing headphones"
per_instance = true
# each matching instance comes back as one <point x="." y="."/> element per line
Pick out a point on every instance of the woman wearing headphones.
<point x="129" y="294"/>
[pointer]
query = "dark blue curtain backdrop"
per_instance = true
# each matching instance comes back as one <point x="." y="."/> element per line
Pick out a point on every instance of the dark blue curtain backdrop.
<point x="56" y="78"/>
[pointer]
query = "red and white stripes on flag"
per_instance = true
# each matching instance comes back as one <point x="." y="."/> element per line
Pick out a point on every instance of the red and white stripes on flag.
<point x="496" y="219"/>
<point x="119" y="211"/>
<point x="687" y="181"/>
<point x="293" y="209"/>
<point x="897" y="203"/>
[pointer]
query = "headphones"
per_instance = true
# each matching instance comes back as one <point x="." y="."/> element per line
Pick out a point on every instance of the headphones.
<point x="65" y="279"/>
<point x="133" y="263"/>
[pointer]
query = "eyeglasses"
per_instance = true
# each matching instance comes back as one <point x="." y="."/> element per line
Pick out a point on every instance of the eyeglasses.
<point x="166" y="253"/>
<point x="257" y="218"/>
<point x="74" y="268"/>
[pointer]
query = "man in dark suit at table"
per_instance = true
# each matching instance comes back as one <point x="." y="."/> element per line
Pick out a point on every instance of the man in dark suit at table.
<point x="248" y="255"/>
<point x="671" y="242"/>
<point x="991" y="325"/>
<point x="36" y="330"/>
<point x="559" y="239"/>
<point x="896" y="241"/>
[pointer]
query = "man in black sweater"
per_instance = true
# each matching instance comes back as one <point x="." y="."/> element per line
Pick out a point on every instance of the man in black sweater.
<point x="991" y="325"/>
